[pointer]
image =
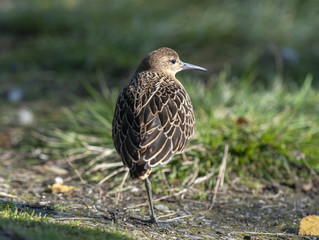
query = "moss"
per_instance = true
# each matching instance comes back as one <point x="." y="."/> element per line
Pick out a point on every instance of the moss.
<point x="25" y="223"/>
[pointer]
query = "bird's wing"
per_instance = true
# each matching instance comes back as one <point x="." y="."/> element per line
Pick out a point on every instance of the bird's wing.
<point x="149" y="127"/>
<point x="126" y="128"/>
<point x="166" y="124"/>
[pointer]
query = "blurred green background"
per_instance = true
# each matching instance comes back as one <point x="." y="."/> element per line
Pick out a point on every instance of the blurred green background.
<point x="259" y="96"/>
<point x="54" y="45"/>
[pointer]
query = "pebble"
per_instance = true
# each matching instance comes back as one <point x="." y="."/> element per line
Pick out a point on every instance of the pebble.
<point x="162" y="208"/>
<point x="208" y="236"/>
<point x="58" y="180"/>
<point x="24" y="116"/>
<point x="192" y="237"/>
<point x="15" y="95"/>
<point x="207" y="221"/>
<point x="135" y="189"/>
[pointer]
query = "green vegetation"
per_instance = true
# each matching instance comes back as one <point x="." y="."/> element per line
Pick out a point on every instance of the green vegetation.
<point x="22" y="223"/>
<point x="273" y="132"/>
<point x="55" y="45"/>
<point x="260" y="95"/>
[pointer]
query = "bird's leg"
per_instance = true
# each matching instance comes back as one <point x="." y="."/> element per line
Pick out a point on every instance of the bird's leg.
<point x="148" y="187"/>
<point x="153" y="218"/>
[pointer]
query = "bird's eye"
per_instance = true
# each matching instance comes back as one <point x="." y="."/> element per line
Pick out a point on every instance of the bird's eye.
<point x="173" y="61"/>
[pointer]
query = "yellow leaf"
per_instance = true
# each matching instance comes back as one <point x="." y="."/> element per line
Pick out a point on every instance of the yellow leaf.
<point x="60" y="188"/>
<point x="309" y="226"/>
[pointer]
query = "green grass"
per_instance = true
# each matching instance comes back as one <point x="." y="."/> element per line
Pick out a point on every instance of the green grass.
<point x="52" y="49"/>
<point x="19" y="223"/>
<point x="61" y="207"/>
<point x="272" y="132"/>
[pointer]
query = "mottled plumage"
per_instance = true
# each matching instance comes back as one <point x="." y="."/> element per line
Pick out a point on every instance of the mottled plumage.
<point x="154" y="117"/>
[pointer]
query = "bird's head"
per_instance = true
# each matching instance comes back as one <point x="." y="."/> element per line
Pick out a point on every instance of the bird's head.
<point x="165" y="60"/>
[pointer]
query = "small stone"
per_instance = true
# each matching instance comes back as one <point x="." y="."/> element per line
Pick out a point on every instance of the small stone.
<point x="205" y="236"/>
<point x="163" y="226"/>
<point x="162" y="208"/>
<point x="58" y="180"/>
<point x="192" y="237"/>
<point x="24" y="116"/>
<point x="15" y="95"/>
<point x="135" y="189"/>
<point x="207" y="221"/>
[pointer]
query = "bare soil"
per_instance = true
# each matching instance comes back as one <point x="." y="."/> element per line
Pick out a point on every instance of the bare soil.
<point x="268" y="211"/>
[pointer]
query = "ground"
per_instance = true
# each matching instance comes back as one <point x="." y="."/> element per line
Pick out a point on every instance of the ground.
<point x="259" y="96"/>
<point x="259" y="211"/>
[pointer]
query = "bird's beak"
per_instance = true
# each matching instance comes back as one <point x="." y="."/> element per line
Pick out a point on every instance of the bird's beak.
<point x="191" y="66"/>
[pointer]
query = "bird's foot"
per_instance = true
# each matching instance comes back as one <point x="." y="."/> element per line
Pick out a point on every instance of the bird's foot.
<point x="152" y="220"/>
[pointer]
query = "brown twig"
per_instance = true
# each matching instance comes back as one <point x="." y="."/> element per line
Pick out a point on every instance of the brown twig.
<point x="221" y="176"/>
<point x="167" y="215"/>
<point x="204" y="178"/>
<point x="42" y="137"/>
<point x="162" y="172"/>
<point x="313" y="172"/>
<point x="102" y="150"/>
<point x="174" y="219"/>
<point x="111" y="175"/>
<point x="3" y="194"/>
<point x="121" y="186"/>
<point x="89" y="214"/>
<point x="184" y="157"/>
<point x="76" y="171"/>
<point x="194" y="175"/>
<point x="104" y="166"/>
<point x="103" y="154"/>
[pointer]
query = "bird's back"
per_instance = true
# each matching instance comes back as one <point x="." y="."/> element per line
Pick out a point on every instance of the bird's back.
<point x="153" y="120"/>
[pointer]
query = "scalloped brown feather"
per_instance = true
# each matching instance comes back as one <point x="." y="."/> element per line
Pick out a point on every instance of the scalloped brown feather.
<point x="154" y="117"/>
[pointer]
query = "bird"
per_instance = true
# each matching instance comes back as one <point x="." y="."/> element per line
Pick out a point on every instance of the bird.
<point x="153" y="117"/>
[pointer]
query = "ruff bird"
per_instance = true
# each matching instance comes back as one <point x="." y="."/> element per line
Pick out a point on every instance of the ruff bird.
<point x="154" y="117"/>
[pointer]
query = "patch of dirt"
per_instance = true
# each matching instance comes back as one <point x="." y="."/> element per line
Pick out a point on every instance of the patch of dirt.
<point x="269" y="212"/>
